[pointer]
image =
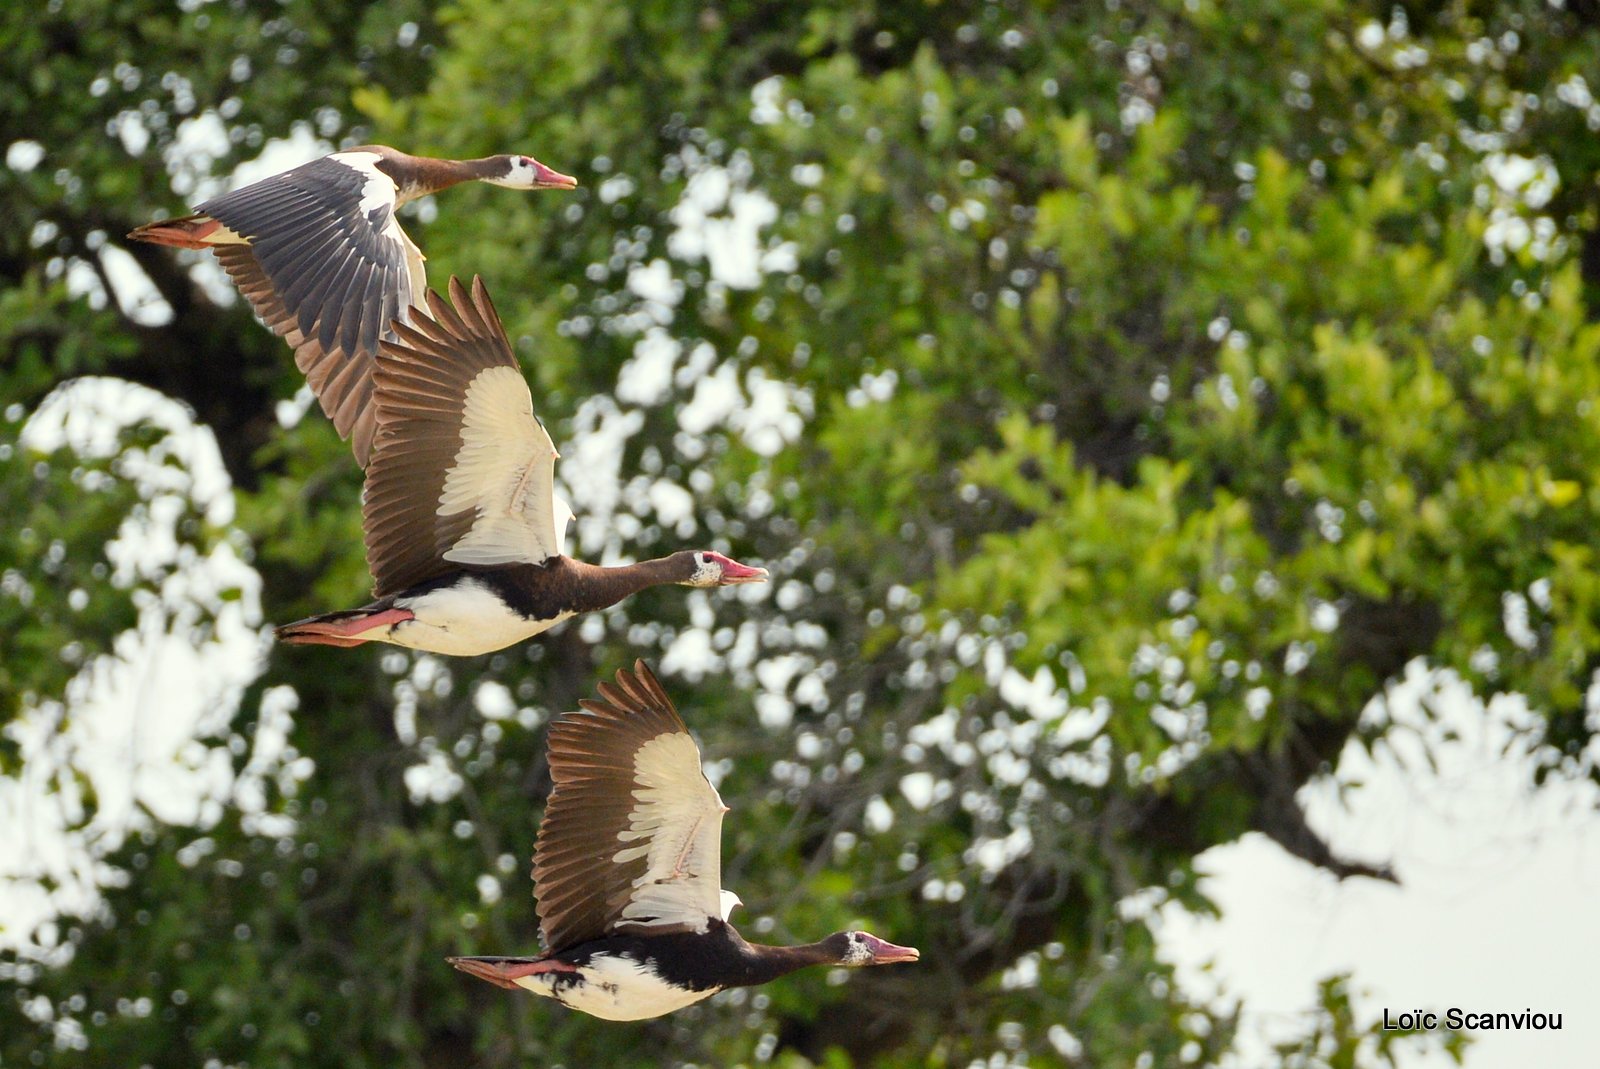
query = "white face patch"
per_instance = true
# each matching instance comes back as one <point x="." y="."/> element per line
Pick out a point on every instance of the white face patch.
<point x="857" y="952"/>
<point x="522" y="175"/>
<point x="707" y="572"/>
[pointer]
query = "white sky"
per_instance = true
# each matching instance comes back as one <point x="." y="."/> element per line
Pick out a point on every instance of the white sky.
<point x="1496" y="911"/>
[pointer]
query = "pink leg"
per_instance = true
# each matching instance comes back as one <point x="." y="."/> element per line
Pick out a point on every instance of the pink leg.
<point x="506" y="971"/>
<point x="343" y="630"/>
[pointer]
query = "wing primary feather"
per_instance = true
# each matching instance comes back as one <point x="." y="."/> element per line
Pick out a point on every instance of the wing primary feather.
<point x="486" y="308"/>
<point x="613" y="696"/>
<point x="484" y="323"/>
<point x="631" y="834"/>
<point x="337" y="327"/>
<point x="447" y="318"/>
<point x="458" y="295"/>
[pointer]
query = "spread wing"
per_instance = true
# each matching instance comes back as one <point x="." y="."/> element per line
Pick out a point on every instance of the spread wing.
<point x="325" y="265"/>
<point x="632" y="834"/>
<point x="462" y="471"/>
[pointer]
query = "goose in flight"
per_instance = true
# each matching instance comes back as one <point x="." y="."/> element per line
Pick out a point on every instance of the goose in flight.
<point x="319" y="253"/>
<point x="465" y="536"/>
<point x="628" y="872"/>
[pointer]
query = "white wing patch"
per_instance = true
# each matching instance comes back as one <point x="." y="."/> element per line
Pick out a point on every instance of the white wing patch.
<point x="677" y="824"/>
<point x="561" y="516"/>
<point x="380" y="190"/>
<point x="416" y="272"/>
<point x="505" y="469"/>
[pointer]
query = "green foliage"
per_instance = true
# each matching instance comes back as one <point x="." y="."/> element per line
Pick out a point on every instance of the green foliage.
<point x="56" y="579"/>
<point x="1141" y="391"/>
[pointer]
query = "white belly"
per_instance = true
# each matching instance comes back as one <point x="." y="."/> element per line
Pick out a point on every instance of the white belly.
<point x="615" y="989"/>
<point x="462" y="621"/>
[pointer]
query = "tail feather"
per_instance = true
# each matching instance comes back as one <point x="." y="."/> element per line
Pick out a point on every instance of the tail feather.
<point x="187" y="232"/>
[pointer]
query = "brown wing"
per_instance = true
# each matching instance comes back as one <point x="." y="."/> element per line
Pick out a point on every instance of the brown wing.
<point x="462" y="472"/>
<point x="631" y="836"/>
<point x="342" y="382"/>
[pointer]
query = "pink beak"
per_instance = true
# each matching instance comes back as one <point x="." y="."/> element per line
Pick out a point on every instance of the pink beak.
<point x="885" y="953"/>
<point x="545" y="178"/>
<point x="734" y="572"/>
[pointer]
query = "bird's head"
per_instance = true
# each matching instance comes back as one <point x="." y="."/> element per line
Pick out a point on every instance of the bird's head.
<point x="525" y="172"/>
<point x="706" y="568"/>
<point x="856" y="949"/>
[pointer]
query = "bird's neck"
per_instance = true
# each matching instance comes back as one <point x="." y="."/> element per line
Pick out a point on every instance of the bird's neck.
<point x="762" y="963"/>
<point x="423" y="176"/>
<point x="600" y="588"/>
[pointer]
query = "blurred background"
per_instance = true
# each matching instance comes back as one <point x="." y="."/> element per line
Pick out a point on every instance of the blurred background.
<point x="1171" y="426"/>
